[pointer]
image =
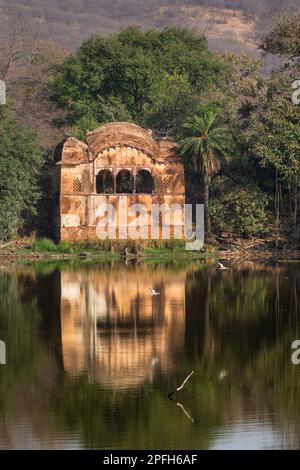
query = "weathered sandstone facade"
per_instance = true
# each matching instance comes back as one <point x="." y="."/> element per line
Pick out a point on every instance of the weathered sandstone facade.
<point x="116" y="160"/>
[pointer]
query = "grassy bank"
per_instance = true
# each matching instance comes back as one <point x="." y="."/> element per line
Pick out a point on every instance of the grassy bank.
<point x="46" y="248"/>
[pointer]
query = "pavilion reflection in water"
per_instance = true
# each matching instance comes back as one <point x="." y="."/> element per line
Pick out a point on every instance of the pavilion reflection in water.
<point x="115" y="330"/>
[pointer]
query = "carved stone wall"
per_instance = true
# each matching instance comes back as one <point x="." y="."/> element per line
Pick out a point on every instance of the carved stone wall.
<point x="117" y="161"/>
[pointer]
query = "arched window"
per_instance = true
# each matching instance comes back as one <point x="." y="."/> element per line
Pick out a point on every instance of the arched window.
<point x="144" y="182"/>
<point x="124" y="182"/>
<point x="104" y="182"/>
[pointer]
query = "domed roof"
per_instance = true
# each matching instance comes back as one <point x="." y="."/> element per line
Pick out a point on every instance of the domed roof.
<point x="117" y="134"/>
<point x="169" y="149"/>
<point x="71" y="151"/>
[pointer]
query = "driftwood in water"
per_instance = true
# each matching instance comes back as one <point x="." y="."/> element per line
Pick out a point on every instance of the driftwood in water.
<point x="184" y="410"/>
<point x="182" y="385"/>
<point x="179" y="404"/>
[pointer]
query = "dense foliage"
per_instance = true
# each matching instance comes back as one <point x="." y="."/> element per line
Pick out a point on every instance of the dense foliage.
<point x="154" y="78"/>
<point x="272" y="129"/>
<point x="284" y="37"/>
<point x="242" y="211"/>
<point x="20" y="163"/>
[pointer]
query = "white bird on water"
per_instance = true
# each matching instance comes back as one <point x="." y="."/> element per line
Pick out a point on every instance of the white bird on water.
<point x="221" y="267"/>
<point x="223" y="373"/>
<point x="153" y="291"/>
<point x="127" y="252"/>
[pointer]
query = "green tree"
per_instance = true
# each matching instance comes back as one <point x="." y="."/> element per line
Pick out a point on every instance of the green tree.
<point x="264" y="123"/>
<point x="206" y="146"/>
<point x="154" y="78"/>
<point x="284" y="36"/>
<point x="241" y="211"/>
<point x="20" y="163"/>
<point x="272" y="130"/>
<point x="273" y="137"/>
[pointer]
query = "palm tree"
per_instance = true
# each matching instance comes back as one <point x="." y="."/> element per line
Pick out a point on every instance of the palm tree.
<point x="206" y="146"/>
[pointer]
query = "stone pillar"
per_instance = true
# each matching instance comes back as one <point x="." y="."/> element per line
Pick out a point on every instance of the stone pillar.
<point x="134" y="172"/>
<point x="114" y="173"/>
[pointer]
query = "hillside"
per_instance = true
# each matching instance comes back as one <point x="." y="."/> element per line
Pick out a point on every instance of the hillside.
<point x="228" y="24"/>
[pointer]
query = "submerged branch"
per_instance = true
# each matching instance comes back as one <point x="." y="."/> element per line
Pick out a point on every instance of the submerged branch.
<point x="182" y="385"/>
<point x="179" y="404"/>
<point x="184" y="411"/>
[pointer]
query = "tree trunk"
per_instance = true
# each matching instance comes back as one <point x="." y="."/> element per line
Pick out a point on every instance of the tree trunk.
<point x="207" y="228"/>
<point x="295" y="204"/>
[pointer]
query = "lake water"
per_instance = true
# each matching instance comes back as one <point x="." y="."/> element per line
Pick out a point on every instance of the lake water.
<point x="91" y="356"/>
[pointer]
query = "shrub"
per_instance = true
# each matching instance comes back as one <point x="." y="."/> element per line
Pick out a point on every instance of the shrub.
<point x="20" y="163"/>
<point x="242" y="211"/>
<point x="46" y="245"/>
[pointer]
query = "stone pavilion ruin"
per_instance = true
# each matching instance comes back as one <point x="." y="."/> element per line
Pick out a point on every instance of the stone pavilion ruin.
<point x="116" y="160"/>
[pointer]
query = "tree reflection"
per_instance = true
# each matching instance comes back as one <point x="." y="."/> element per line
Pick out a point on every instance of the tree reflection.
<point x="111" y="353"/>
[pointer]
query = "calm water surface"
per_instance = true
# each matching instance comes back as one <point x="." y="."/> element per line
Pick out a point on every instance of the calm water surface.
<point x="91" y="356"/>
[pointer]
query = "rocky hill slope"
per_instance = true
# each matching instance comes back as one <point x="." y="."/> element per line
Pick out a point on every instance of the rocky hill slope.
<point x="228" y="24"/>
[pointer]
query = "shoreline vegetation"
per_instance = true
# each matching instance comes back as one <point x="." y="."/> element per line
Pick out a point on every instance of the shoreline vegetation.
<point x="44" y="249"/>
